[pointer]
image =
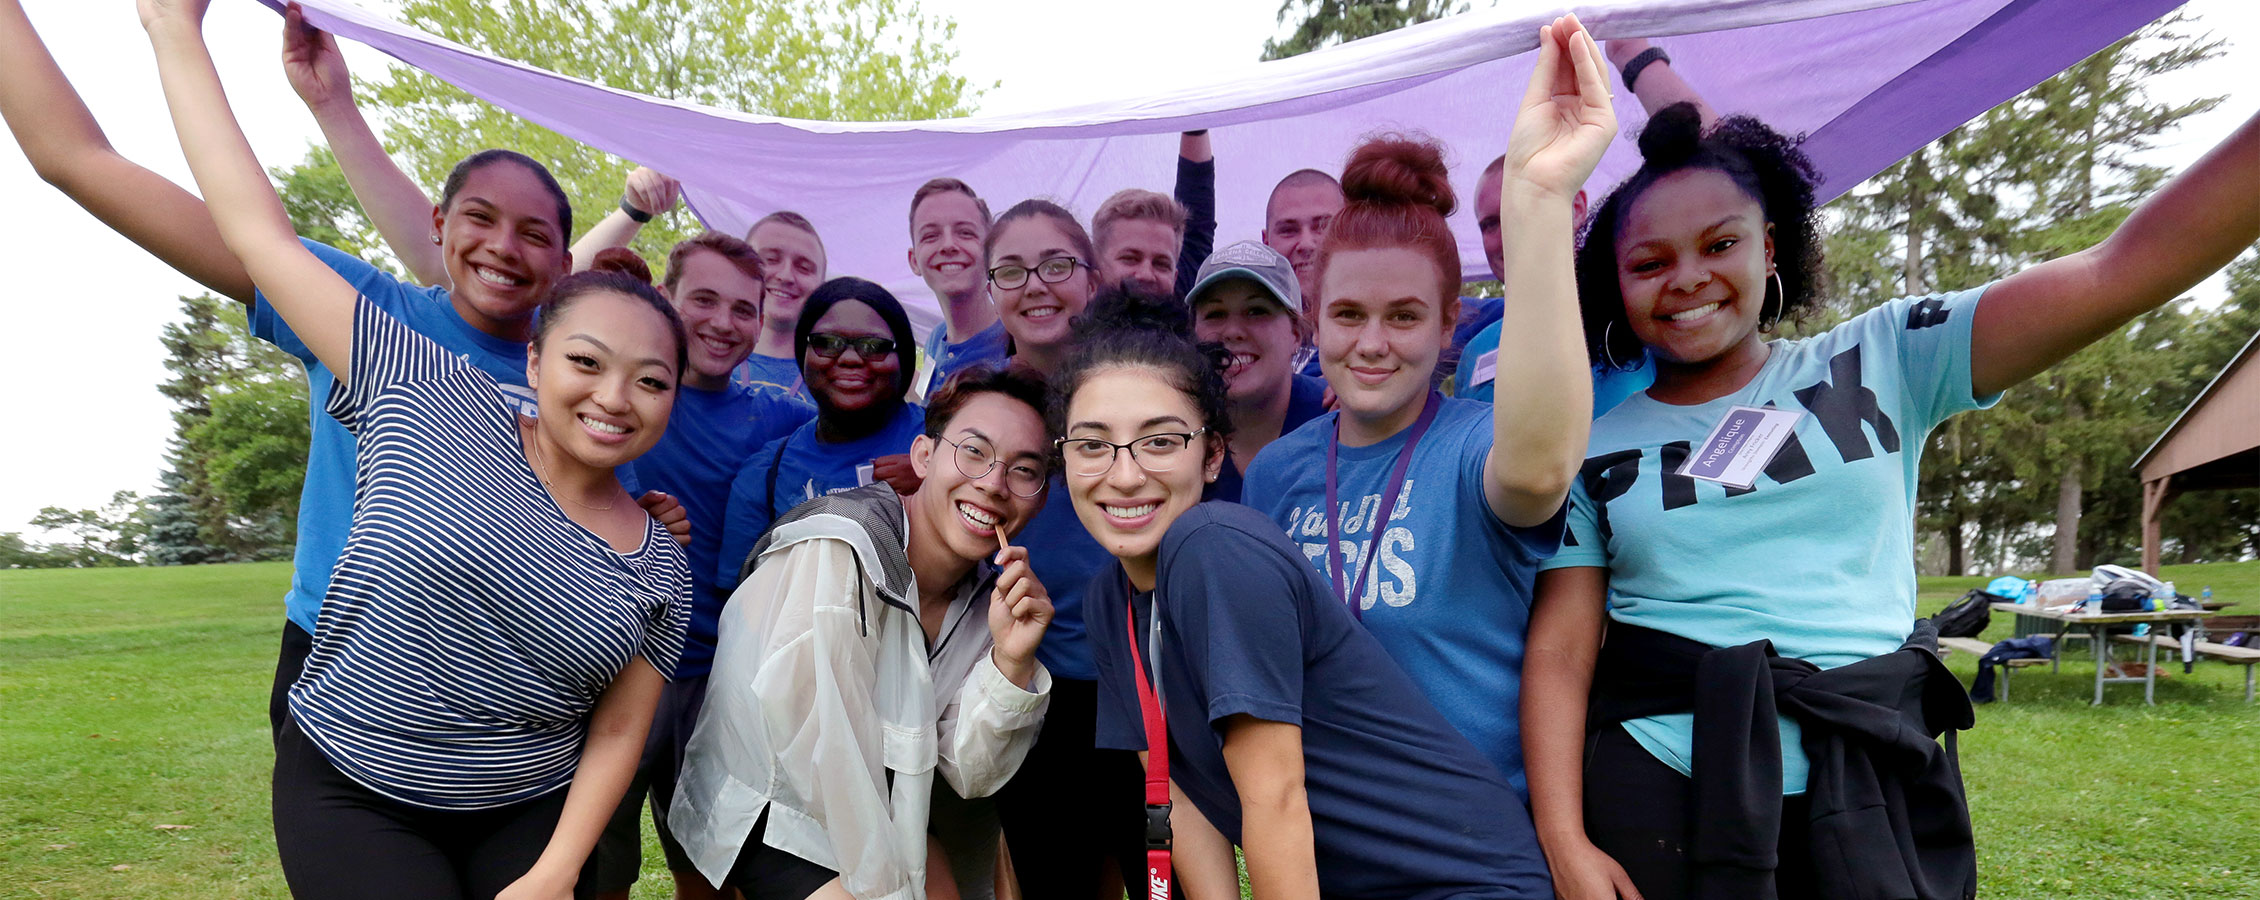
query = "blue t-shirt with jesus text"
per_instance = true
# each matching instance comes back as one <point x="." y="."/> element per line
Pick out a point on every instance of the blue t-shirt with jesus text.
<point x="1448" y="586"/>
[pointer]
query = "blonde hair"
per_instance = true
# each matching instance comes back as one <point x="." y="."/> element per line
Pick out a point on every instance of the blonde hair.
<point x="1134" y="204"/>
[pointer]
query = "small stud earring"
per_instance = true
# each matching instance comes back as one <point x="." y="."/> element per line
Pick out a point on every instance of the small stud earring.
<point x="435" y="240"/>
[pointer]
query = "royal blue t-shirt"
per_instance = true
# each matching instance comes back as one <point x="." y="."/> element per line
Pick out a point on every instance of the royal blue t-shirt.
<point x="1306" y="398"/>
<point x="325" y="502"/>
<point x="709" y="437"/>
<point x="984" y="348"/>
<point x="1479" y="364"/>
<point x="773" y="375"/>
<point x="1448" y="593"/>
<point x="1817" y="555"/>
<point x="1062" y="555"/>
<point x="1401" y="804"/>
<point x="802" y="468"/>
<point x="1476" y="314"/>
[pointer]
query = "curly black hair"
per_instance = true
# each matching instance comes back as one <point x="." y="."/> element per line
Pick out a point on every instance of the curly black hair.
<point x="1129" y="325"/>
<point x="1764" y="163"/>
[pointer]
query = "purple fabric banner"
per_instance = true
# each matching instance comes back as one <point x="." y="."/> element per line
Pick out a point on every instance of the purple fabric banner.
<point x="1869" y="80"/>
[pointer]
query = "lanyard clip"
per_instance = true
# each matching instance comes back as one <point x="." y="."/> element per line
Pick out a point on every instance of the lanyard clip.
<point x="1157" y="826"/>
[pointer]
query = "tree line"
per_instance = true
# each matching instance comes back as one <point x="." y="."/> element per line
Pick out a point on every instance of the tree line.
<point x="2042" y="480"/>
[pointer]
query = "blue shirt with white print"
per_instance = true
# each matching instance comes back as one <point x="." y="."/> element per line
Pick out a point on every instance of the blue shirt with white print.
<point x="1817" y="555"/>
<point x="325" y="502"/>
<point x="1448" y="592"/>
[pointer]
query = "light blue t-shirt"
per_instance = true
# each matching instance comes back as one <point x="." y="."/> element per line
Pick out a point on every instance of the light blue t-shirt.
<point x="1818" y="555"/>
<point x="325" y="502"/>
<point x="773" y="375"/>
<point x="1449" y="594"/>
<point x="801" y="468"/>
<point x="1480" y="362"/>
<point x="984" y="348"/>
<point x="710" y="435"/>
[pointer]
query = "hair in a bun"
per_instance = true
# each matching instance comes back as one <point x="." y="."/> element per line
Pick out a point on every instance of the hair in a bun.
<point x="1764" y="163"/>
<point x="623" y="261"/>
<point x="1397" y="192"/>
<point x="1131" y="325"/>
<point x="1396" y="170"/>
<point x="1672" y="135"/>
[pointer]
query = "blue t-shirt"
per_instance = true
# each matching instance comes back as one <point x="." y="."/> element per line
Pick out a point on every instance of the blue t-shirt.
<point x="1449" y="591"/>
<point x="1480" y="362"/>
<point x="773" y="375"/>
<point x="1062" y="555"/>
<point x="1401" y="804"/>
<point x="1818" y="555"/>
<point x="1306" y="399"/>
<point x="325" y="501"/>
<point x="1476" y="315"/>
<point x="472" y="625"/>
<point x="709" y="437"/>
<point x="800" y="467"/>
<point x="985" y="348"/>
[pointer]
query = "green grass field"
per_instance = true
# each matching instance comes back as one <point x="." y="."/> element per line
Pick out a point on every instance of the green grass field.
<point x="132" y="699"/>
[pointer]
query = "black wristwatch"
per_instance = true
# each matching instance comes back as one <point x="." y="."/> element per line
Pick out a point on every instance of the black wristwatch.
<point x="1632" y="69"/>
<point x="633" y="213"/>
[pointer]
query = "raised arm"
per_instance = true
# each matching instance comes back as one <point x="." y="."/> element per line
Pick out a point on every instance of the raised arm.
<point x="1196" y="192"/>
<point x="68" y="150"/>
<point x="1265" y="760"/>
<point x="647" y="192"/>
<point x="316" y="302"/>
<point x="2192" y="227"/>
<point x="1557" y="679"/>
<point x="1544" y="386"/>
<point x="1657" y="83"/>
<point x="399" y="209"/>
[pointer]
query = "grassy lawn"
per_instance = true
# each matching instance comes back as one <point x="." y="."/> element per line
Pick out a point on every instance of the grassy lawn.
<point x="136" y="698"/>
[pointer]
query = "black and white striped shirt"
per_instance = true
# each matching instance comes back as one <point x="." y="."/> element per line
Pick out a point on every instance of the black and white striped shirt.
<point x="470" y="626"/>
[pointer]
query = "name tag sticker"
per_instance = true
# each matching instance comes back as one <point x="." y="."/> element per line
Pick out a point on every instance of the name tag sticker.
<point x="1486" y="368"/>
<point x="1742" y="445"/>
<point x="863" y="474"/>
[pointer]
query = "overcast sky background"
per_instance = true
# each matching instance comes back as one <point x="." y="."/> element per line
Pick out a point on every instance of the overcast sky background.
<point x="83" y="308"/>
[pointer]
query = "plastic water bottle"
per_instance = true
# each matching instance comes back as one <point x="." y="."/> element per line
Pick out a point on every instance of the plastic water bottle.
<point x="2094" y="603"/>
<point x="2208" y="596"/>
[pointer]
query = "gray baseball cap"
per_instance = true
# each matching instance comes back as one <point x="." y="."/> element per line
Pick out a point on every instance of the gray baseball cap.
<point x="1254" y="261"/>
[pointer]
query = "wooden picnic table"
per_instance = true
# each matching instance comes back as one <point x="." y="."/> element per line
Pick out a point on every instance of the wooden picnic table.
<point x="2098" y="626"/>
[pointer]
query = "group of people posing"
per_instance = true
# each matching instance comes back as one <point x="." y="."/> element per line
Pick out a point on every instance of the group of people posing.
<point x="1147" y="552"/>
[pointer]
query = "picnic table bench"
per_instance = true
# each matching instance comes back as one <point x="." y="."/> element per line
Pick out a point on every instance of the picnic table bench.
<point x="2235" y="656"/>
<point x="1977" y="648"/>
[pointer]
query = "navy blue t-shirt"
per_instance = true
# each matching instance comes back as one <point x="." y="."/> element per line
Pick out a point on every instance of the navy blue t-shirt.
<point x="1401" y="804"/>
<point x="800" y="467"/>
<point x="1306" y="400"/>
<point x="709" y="437"/>
<point x="1063" y="556"/>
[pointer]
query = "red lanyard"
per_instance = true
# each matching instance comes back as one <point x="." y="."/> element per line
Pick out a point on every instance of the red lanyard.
<point x="1389" y="491"/>
<point x="1158" y="871"/>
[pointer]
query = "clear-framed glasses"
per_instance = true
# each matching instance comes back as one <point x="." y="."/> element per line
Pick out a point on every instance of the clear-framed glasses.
<point x="1156" y="453"/>
<point x="975" y="461"/>
<point x="1051" y="271"/>
<point x="830" y="346"/>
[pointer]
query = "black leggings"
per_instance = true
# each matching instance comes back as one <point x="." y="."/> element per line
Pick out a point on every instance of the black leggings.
<point x="296" y="645"/>
<point x="341" y="840"/>
<point x="1641" y="813"/>
<point x="1071" y="807"/>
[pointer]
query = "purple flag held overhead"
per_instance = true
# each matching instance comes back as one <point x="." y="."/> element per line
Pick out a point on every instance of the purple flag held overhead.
<point x="1868" y="81"/>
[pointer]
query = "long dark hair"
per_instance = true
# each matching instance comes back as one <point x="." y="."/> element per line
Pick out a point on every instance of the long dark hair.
<point x="1764" y="163"/>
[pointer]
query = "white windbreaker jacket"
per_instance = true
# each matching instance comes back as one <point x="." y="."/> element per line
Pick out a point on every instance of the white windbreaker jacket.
<point x="826" y="708"/>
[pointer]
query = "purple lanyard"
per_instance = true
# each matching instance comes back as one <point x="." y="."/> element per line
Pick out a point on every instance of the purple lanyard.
<point x="1389" y="492"/>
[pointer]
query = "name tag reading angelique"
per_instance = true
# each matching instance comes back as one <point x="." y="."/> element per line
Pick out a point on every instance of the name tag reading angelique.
<point x="1741" y="445"/>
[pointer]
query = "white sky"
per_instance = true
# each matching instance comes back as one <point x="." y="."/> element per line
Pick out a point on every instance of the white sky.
<point x="84" y="308"/>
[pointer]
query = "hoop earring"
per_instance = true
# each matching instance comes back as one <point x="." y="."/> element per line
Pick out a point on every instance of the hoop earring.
<point x="1766" y="323"/>
<point x="1609" y="347"/>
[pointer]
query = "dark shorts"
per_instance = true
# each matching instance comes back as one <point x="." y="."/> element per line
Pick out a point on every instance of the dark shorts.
<point x="763" y="872"/>
<point x="1642" y="813"/>
<point x="618" y="858"/>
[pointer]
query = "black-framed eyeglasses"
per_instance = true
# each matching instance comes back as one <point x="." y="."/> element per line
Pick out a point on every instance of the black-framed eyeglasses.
<point x="1156" y="453"/>
<point x="830" y="346"/>
<point x="975" y="461"/>
<point x="1051" y="271"/>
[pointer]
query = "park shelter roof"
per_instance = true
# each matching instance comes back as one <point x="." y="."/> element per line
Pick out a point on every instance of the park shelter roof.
<point x="2215" y="442"/>
<point x="1868" y="82"/>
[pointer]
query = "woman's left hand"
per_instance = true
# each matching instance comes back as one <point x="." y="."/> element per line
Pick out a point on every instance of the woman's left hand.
<point x="1566" y="120"/>
<point x="1019" y="611"/>
<point x="541" y="884"/>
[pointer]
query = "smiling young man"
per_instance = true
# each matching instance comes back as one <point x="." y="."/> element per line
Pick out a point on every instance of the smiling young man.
<point x="855" y="665"/>
<point x="792" y="257"/>
<point x="949" y="225"/>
